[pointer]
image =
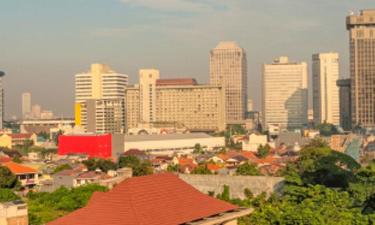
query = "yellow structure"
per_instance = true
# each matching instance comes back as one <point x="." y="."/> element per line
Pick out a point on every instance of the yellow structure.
<point x="5" y="141"/>
<point x="12" y="140"/>
<point x="77" y="114"/>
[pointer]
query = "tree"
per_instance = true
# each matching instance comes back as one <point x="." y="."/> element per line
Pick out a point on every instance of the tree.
<point x="16" y="159"/>
<point x="128" y="161"/>
<point x="327" y="129"/>
<point x="198" y="149"/>
<point x="102" y="164"/>
<point x="7" y="178"/>
<point x="202" y="169"/>
<point x="7" y="195"/>
<point x="263" y="151"/>
<point x="61" y="168"/>
<point x="173" y="168"/>
<point x="247" y="169"/>
<point x="43" y="135"/>
<point x="139" y="168"/>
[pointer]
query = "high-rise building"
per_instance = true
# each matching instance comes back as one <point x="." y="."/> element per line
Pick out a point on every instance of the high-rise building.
<point x="180" y="101"/>
<point x="285" y="94"/>
<point x="26" y="105"/>
<point x="36" y="111"/>
<point x="2" y="74"/>
<point x="106" y="89"/>
<point x="250" y="105"/>
<point x="361" y="29"/>
<point x="325" y="72"/>
<point x="228" y="69"/>
<point x="345" y="104"/>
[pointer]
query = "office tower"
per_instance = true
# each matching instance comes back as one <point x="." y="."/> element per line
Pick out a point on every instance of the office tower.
<point x="361" y="29"/>
<point x="36" y="111"/>
<point x="325" y="69"/>
<point x="181" y="101"/>
<point x="26" y="105"/>
<point x="285" y="94"/>
<point x="107" y="90"/>
<point x="228" y="69"/>
<point x="147" y="87"/>
<point x="2" y="74"/>
<point x="345" y="104"/>
<point x="250" y="105"/>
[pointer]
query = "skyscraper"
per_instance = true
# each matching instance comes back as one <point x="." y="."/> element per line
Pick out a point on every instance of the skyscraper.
<point x="325" y="69"/>
<point x="228" y="69"/>
<point x="285" y="94"/>
<point x="147" y="87"/>
<point x="100" y="100"/>
<point x="361" y="29"/>
<point x="26" y="105"/>
<point x="345" y="104"/>
<point x="2" y="74"/>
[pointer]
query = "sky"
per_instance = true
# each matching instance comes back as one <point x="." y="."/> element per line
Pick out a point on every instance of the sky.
<point x="44" y="43"/>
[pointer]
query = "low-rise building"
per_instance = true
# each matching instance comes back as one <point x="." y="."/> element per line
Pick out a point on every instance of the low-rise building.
<point x="14" y="213"/>
<point x="140" y="200"/>
<point x="27" y="176"/>
<point x="93" y="145"/>
<point x="12" y="140"/>
<point x="169" y="144"/>
<point x="253" y="142"/>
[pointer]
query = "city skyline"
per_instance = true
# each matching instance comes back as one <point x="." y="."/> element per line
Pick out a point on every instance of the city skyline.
<point x="119" y="37"/>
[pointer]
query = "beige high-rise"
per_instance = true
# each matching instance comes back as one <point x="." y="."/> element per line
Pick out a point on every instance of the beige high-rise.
<point x="182" y="101"/>
<point x="100" y="100"/>
<point x="361" y="29"/>
<point x="228" y="69"/>
<point x="325" y="69"/>
<point x="285" y="94"/>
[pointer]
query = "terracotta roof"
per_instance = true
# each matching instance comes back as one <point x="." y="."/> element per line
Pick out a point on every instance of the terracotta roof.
<point x="18" y="168"/>
<point x="20" y="136"/>
<point x="4" y="159"/>
<point x="213" y="167"/>
<point x="176" y="82"/>
<point x="93" y="175"/>
<point x="161" y="199"/>
<point x="134" y="152"/>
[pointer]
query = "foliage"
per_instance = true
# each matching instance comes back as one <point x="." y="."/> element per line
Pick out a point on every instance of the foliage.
<point x="45" y="207"/>
<point x="102" y="164"/>
<point x="7" y="178"/>
<point x="61" y="168"/>
<point x="139" y="168"/>
<point x="201" y="169"/>
<point x="43" y="135"/>
<point x="327" y="129"/>
<point x="247" y="169"/>
<point x="17" y="159"/>
<point x="198" y="149"/>
<point x="173" y="168"/>
<point x="7" y="195"/>
<point x="263" y="151"/>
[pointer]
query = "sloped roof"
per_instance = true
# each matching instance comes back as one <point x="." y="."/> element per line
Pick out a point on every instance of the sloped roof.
<point x="18" y="168"/>
<point x="161" y="199"/>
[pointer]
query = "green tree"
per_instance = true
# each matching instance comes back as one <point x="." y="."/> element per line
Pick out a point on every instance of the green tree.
<point x="102" y="164"/>
<point x="139" y="168"/>
<point x="264" y="151"/>
<point x="7" y="178"/>
<point x="198" y="149"/>
<point x="7" y="195"/>
<point x="61" y="168"/>
<point x="16" y="159"/>
<point x="129" y="161"/>
<point x="247" y="169"/>
<point x="201" y="169"/>
<point x="173" y="168"/>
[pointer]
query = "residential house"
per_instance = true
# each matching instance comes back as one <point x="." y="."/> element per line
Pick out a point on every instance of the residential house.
<point x="12" y="140"/>
<point x="154" y="200"/>
<point x="28" y="176"/>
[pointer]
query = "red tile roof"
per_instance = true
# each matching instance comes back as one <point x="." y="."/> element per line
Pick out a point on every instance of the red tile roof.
<point x="161" y="199"/>
<point x="18" y="168"/>
<point x="213" y="167"/>
<point x="176" y="82"/>
<point x="4" y="159"/>
<point x="20" y="136"/>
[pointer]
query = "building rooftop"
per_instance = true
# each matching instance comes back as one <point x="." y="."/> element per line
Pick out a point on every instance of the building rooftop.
<point x="161" y="199"/>
<point x="176" y="82"/>
<point x="163" y="137"/>
<point x="227" y="45"/>
<point x="18" y="169"/>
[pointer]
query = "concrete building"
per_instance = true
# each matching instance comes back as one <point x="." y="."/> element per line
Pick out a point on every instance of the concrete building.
<point x="228" y="69"/>
<point x="26" y="105"/>
<point x="285" y="94"/>
<point x="2" y="105"/>
<point x="345" y="103"/>
<point x="38" y="126"/>
<point x="361" y="29"/>
<point x="325" y="72"/>
<point x="253" y="142"/>
<point x="183" y="101"/>
<point x="46" y="115"/>
<point x="250" y="105"/>
<point x="169" y="144"/>
<point x="100" y="94"/>
<point x="27" y="176"/>
<point x="101" y="115"/>
<point x="14" y="213"/>
<point x="36" y="111"/>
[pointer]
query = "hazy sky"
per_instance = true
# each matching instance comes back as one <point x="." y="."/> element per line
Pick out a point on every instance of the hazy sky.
<point x="43" y="43"/>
